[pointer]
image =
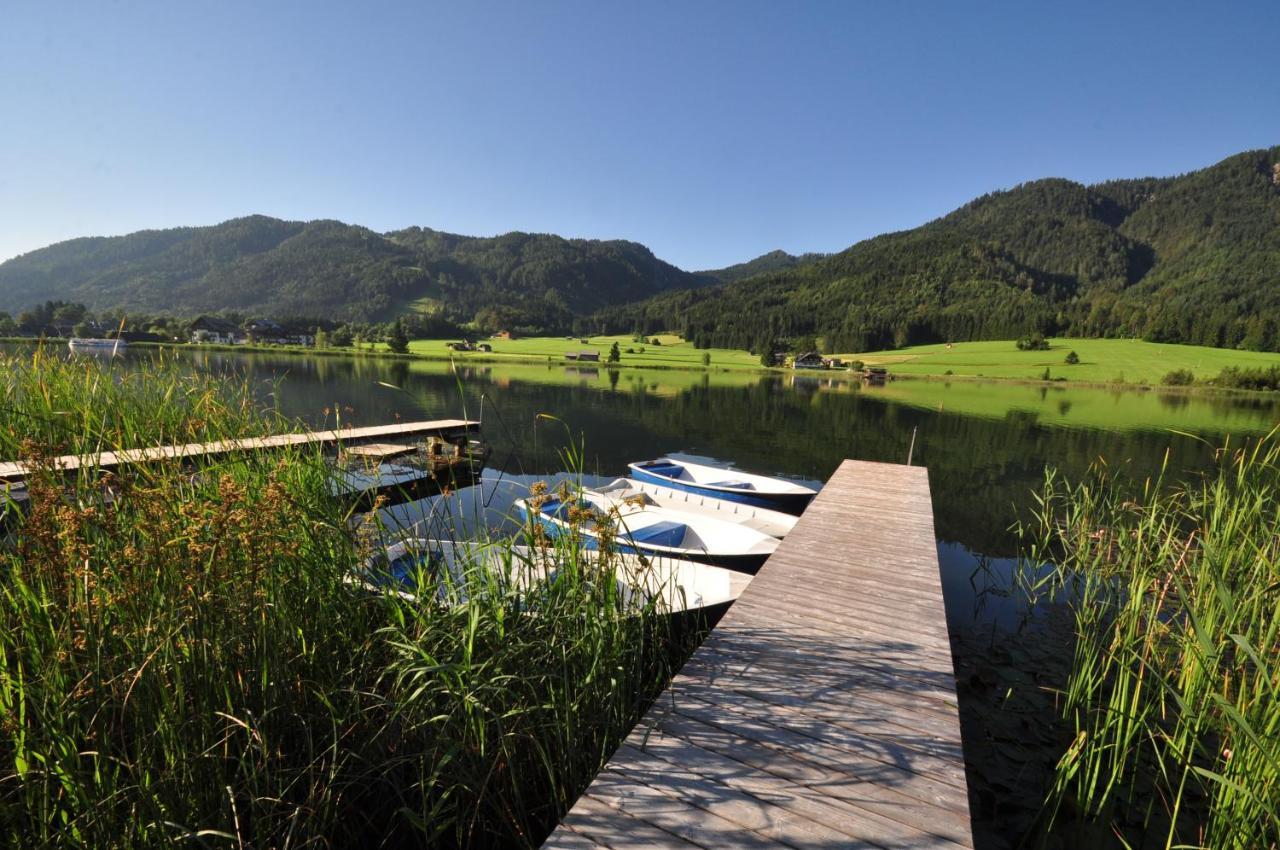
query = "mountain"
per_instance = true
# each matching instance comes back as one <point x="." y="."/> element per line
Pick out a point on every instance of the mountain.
<point x="1193" y="258"/>
<point x="261" y="265"/>
<point x="771" y="262"/>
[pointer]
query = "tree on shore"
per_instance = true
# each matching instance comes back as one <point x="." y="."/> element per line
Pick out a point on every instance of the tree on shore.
<point x="614" y="354"/>
<point x="398" y="340"/>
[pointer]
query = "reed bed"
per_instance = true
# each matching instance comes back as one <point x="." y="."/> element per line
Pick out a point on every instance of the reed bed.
<point x="1173" y="697"/>
<point x="185" y="661"/>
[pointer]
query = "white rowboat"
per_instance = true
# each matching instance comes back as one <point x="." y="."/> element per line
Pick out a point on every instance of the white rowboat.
<point x="642" y="493"/>
<point x="730" y="484"/>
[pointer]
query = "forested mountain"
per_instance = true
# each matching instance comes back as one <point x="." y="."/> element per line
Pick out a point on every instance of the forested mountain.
<point x="270" y="267"/>
<point x="1192" y="259"/>
<point x="770" y="262"/>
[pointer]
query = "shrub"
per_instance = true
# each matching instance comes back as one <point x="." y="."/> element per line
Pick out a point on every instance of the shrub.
<point x="1033" y="342"/>
<point x="1178" y="378"/>
<point x="1249" y="379"/>
<point x="1072" y="358"/>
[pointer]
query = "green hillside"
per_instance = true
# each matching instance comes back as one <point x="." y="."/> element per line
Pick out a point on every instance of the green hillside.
<point x="771" y="262"/>
<point x="1191" y="259"/>
<point x="1103" y="361"/>
<point x="330" y="269"/>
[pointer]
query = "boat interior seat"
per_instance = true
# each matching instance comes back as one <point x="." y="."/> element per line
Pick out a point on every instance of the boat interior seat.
<point x="666" y="470"/>
<point x="736" y="485"/>
<point x="664" y="533"/>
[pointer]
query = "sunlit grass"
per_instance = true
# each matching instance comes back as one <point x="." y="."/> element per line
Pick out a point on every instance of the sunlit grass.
<point x="1101" y="360"/>
<point x="185" y="661"/>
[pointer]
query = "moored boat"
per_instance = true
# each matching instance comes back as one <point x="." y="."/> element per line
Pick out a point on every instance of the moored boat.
<point x="730" y="484"/>
<point x="90" y="345"/>
<point x="673" y="585"/>
<point x="643" y="493"/>
<point x="640" y="529"/>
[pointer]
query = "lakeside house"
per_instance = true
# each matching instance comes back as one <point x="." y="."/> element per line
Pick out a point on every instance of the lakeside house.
<point x="267" y="332"/>
<point x="216" y="330"/>
<point x="504" y="335"/>
<point x="809" y="360"/>
<point x="583" y="356"/>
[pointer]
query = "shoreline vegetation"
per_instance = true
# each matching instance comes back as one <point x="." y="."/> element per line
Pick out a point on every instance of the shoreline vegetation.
<point x="185" y="660"/>
<point x="1095" y="363"/>
<point x="1170" y="711"/>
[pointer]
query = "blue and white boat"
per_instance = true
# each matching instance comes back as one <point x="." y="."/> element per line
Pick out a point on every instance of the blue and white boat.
<point x="766" y="520"/>
<point x="674" y="586"/>
<point x="646" y="530"/>
<point x="729" y="484"/>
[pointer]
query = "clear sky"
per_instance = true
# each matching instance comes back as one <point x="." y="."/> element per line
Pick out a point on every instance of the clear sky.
<point x="711" y="132"/>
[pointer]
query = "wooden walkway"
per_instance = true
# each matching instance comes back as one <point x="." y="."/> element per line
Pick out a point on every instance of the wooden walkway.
<point x="820" y="712"/>
<point x="15" y="470"/>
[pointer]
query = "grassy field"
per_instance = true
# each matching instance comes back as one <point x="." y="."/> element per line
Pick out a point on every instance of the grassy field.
<point x="1101" y="360"/>
<point x="1117" y="409"/>
<point x="673" y="353"/>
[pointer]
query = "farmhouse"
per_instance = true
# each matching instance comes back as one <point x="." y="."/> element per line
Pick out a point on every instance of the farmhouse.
<point x="215" y="330"/>
<point x="809" y="360"/>
<point x="273" y="333"/>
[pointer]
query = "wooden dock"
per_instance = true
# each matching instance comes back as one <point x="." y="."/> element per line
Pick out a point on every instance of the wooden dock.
<point x="15" y="470"/>
<point x="820" y="712"/>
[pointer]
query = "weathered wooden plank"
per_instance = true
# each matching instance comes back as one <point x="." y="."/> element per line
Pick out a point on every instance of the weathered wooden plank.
<point x="102" y="460"/>
<point x="821" y="711"/>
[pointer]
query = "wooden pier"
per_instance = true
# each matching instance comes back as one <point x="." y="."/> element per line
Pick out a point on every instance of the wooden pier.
<point x="820" y="712"/>
<point x="12" y="471"/>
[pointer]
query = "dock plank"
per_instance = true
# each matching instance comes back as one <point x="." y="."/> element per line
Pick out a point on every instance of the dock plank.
<point x="820" y="712"/>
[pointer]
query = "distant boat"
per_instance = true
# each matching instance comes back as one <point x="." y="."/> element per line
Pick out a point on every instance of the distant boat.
<point x="730" y="484"/>
<point x="770" y="522"/>
<point x="663" y="532"/>
<point x="674" y="585"/>
<point x="89" y="345"/>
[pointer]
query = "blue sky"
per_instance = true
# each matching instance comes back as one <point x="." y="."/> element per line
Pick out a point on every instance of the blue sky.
<point x="711" y="132"/>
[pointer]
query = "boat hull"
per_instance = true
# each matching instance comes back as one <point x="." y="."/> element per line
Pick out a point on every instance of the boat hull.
<point x="748" y="563"/>
<point x="792" y="503"/>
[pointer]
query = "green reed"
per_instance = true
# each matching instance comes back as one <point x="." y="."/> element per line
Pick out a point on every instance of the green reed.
<point x="184" y="660"/>
<point x="1174" y="688"/>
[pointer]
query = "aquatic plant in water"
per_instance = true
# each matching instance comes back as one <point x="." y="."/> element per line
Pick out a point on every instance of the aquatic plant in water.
<point x="1174" y="689"/>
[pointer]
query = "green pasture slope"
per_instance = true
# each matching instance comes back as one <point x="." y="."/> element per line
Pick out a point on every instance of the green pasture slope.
<point x="674" y="353"/>
<point x="1101" y="360"/>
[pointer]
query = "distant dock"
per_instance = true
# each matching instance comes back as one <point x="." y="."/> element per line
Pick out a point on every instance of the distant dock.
<point x="17" y="470"/>
<point x="820" y="712"/>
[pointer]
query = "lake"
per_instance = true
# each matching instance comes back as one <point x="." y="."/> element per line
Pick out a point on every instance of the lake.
<point x="986" y="446"/>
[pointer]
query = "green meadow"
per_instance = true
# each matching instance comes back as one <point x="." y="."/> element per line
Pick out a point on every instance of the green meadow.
<point x="1101" y="360"/>
<point x="673" y="352"/>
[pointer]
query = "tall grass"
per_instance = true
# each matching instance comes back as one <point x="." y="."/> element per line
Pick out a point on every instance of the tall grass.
<point x="182" y="662"/>
<point x="1174" y="690"/>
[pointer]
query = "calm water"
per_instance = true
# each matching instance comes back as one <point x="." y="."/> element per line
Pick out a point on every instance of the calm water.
<point x="986" y="447"/>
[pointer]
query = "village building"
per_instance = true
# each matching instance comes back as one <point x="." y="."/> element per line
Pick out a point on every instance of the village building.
<point x="268" y="332"/>
<point x="212" y="329"/>
<point x="809" y="360"/>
